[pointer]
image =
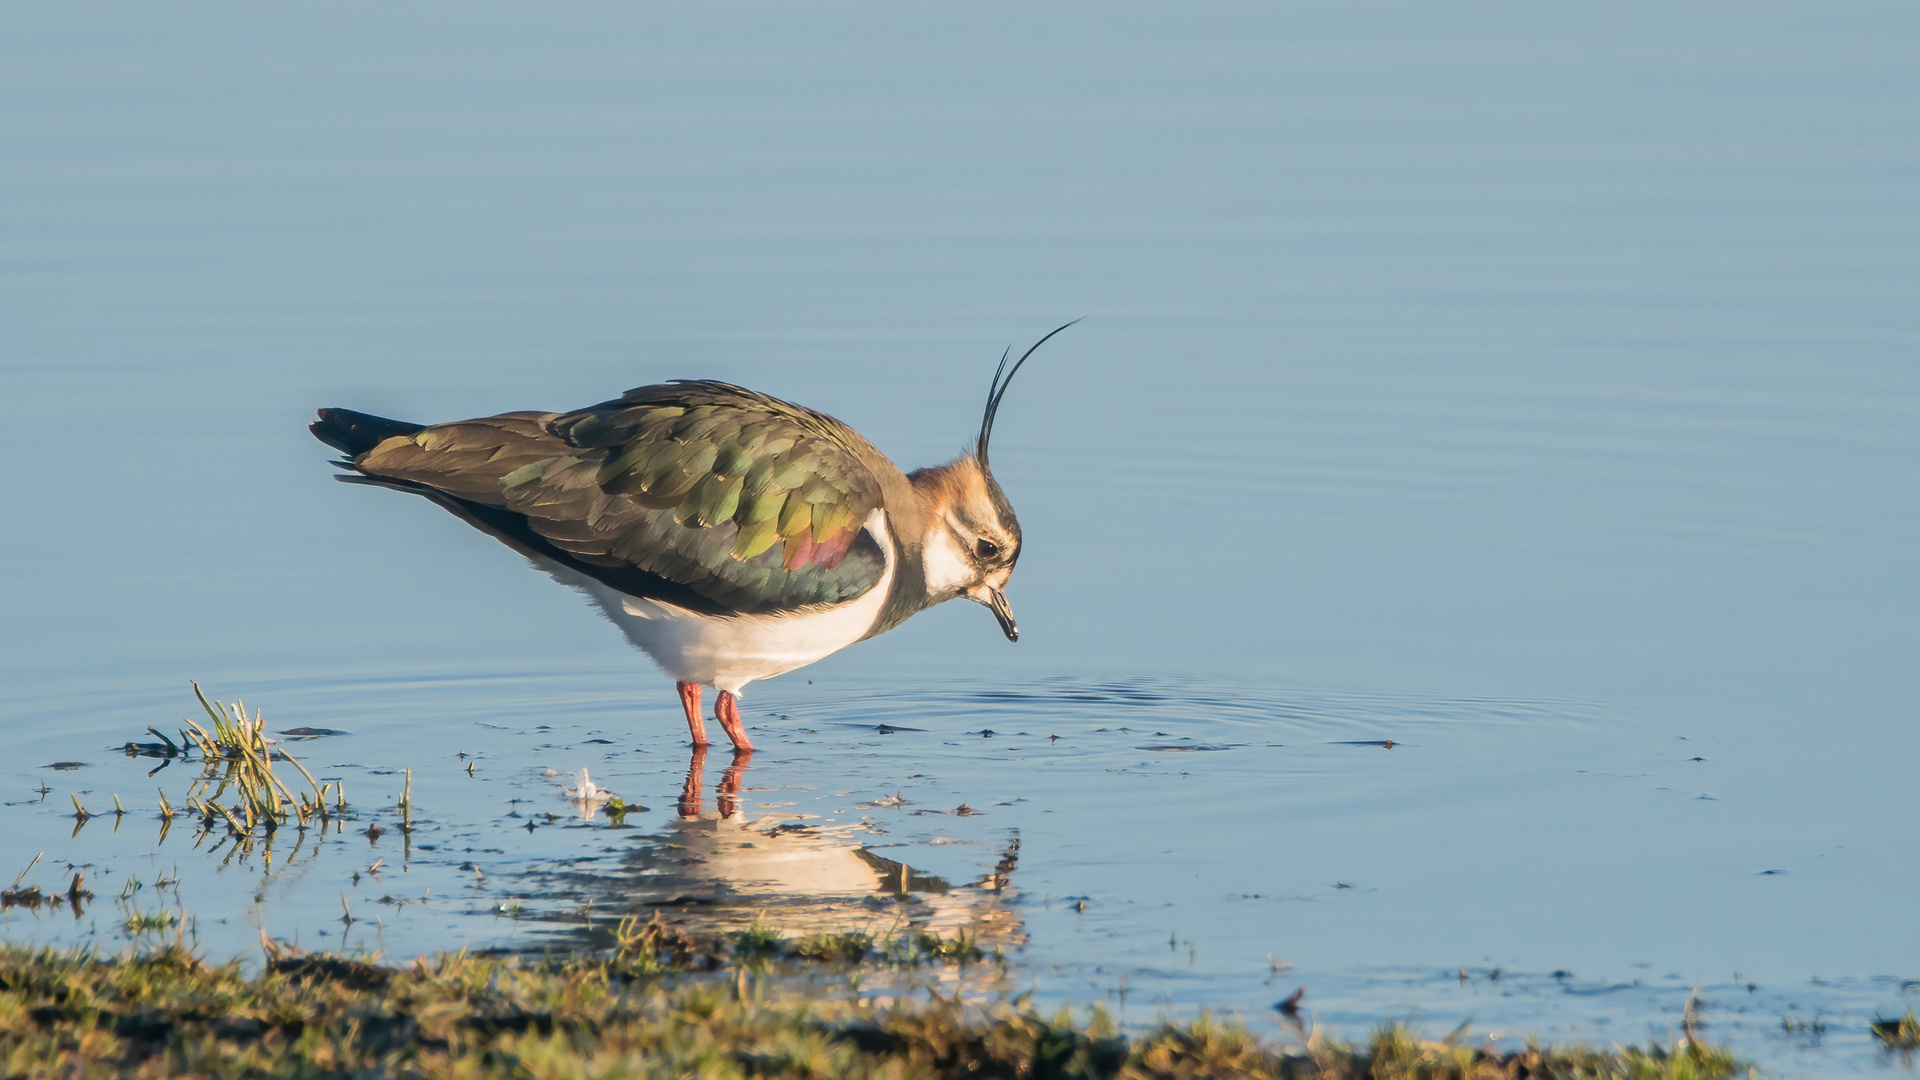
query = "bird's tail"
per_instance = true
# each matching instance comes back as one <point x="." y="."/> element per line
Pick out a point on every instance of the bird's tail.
<point x="355" y="433"/>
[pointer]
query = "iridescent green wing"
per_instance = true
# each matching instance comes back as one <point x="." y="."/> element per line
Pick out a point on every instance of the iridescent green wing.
<point x="751" y="504"/>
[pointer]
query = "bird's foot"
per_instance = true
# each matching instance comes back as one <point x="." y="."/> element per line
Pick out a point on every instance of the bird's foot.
<point x="727" y="711"/>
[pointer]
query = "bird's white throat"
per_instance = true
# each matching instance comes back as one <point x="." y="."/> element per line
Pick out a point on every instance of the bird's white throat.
<point x="949" y="572"/>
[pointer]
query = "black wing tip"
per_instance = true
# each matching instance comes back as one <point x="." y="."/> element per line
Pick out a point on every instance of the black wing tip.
<point x="355" y="433"/>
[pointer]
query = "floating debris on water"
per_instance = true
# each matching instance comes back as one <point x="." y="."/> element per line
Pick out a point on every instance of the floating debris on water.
<point x="587" y="794"/>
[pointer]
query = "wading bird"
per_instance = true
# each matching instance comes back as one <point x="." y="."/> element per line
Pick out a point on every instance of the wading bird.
<point x="732" y="536"/>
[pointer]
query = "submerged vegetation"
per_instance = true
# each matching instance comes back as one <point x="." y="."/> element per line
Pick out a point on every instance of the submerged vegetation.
<point x="168" y="1012"/>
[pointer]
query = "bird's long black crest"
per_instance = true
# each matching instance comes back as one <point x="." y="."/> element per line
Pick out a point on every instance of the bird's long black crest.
<point x="1003" y="378"/>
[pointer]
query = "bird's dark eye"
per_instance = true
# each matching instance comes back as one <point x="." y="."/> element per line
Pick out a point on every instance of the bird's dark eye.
<point x="986" y="549"/>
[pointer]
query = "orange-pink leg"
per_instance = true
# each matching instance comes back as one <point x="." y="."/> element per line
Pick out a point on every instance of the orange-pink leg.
<point x="690" y="701"/>
<point x="727" y="711"/>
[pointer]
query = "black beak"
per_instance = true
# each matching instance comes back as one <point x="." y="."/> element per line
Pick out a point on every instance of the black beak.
<point x="1003" y="611"/>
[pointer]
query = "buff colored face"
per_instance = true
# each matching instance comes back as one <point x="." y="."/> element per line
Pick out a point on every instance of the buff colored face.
<point x="972" y="550"/>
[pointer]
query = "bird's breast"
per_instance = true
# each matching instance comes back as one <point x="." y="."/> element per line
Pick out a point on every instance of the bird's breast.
<point x="729" y="651"/>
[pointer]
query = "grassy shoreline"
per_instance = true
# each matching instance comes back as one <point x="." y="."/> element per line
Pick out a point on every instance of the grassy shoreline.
<point x="168" y="1012"/>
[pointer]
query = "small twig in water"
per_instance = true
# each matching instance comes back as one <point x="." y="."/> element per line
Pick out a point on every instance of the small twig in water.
<point x="23" y="873"/>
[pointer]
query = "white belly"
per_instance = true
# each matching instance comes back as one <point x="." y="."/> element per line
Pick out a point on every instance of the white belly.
<point x="728" y="652"/>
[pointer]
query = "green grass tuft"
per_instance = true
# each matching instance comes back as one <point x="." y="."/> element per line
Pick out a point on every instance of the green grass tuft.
<point x="1898" y="1033"/>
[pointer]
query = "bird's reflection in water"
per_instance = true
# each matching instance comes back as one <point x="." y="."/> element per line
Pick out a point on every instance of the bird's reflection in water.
<point x="796" y="874"/>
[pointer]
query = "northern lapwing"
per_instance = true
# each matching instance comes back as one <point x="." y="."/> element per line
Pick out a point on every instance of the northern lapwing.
<point x="731" y="535"/>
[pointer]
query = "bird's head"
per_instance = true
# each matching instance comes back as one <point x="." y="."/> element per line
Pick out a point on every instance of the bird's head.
<point x="973" y="537"/>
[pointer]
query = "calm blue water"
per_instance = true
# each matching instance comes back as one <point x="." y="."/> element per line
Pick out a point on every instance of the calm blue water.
<point x="1536" y="389"/>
